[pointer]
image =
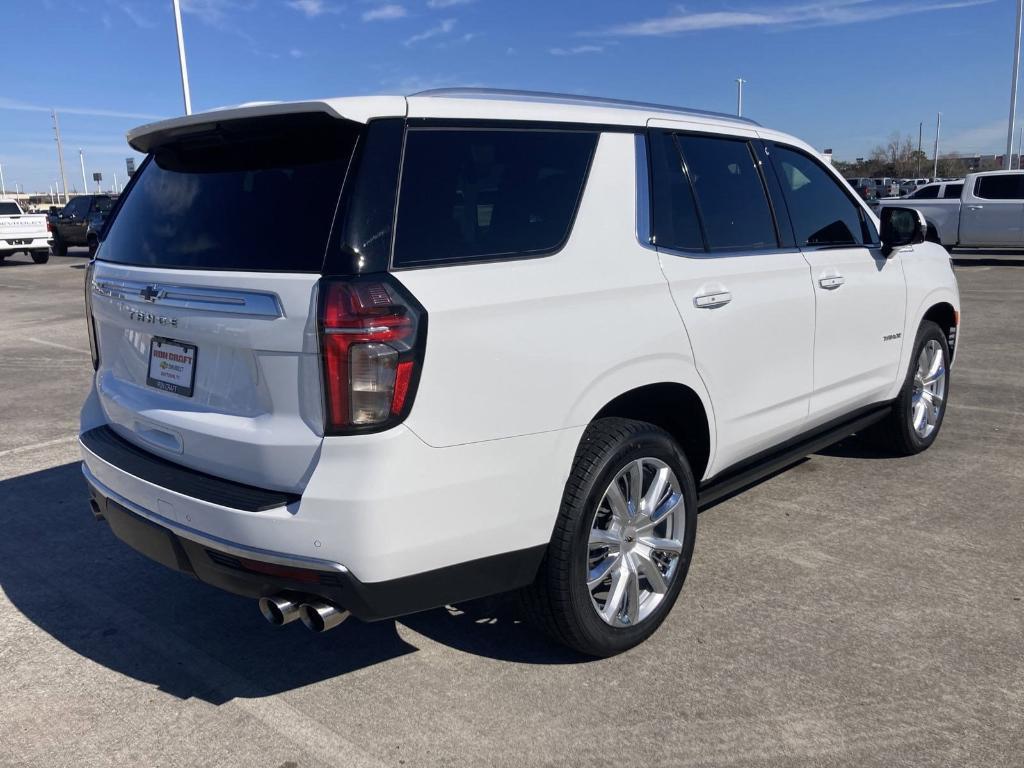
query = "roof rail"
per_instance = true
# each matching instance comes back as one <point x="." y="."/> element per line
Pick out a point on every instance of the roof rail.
<point x="505" y="94"/>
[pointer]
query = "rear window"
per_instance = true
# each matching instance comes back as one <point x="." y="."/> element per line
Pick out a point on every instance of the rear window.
<point x="102" y="205"/>
<point x="926" y="193"/>
<point x="953" y="190"/>
<point x="256" y="194"/>
<point x="9" y="209"/>
<point x="481" y="194"/>
<point x="1002" y="187"/>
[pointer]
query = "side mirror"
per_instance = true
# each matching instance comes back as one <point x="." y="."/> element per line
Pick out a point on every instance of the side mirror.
<point x="901" y="227"/>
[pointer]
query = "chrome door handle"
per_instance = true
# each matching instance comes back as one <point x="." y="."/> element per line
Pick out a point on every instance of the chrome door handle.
<point x="975" y="207"/>
<point x="712" y="300"/>
<point x="831" y="283"/>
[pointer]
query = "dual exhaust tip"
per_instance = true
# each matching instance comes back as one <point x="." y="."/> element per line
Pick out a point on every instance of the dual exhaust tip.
<point x="317" y="615"/>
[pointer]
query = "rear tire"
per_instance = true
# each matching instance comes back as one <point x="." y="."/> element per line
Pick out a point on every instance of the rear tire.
<point x="93" y="244"/>
<point x="40" y="257"/>
<point x="60" y="248"/>
<point x="919" y="409"/>
<point x="629" y="509"/>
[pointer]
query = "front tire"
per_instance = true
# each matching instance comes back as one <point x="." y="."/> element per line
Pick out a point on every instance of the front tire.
<point x="622" y="543"/>
<point x="40" y="257"/>
<point x="920" y="407"/>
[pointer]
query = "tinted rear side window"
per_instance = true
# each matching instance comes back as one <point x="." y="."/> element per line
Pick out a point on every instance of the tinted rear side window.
<point x="953" y="190"/>
<point x="926" y="193"/>
<point x="470" y="194"/>
<point x="1008" y="187"/>
<point x="675" y="212"/>
<point x="730" y="194"/>
<point x="254" y="194"/>
<point x="9" y="209"/>
<point x="821" y="211"/>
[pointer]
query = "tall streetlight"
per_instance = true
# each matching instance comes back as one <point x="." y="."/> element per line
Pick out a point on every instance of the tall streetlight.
<point x="938" y="127"/>
<point x="81" y="159"/>
<point x="920" y="135"/>
<point x="60" y="153"/>
<point x="181" y="56"/>
<point x="3" y="185"/>
<point x="1013" y="90"/>
<point x="739" y="94"/>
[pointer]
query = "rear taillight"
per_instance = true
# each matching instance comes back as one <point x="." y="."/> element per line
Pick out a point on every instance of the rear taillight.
<point x="372" y="335"/>
<point x="90" y="324"/>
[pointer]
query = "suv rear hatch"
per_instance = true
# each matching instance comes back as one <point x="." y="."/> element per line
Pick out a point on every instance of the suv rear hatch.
<point x="204" y="295"/>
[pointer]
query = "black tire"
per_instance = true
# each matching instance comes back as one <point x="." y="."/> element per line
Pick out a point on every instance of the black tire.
<point x="60" y="248"/>
<point x="93" y="243"/>
<point x="559" y="601"/>
<point x="896" y="433"/>
<point x="40" y="257"/>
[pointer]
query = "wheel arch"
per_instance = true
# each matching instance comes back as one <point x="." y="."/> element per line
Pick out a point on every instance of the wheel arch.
<point x="944" y="315"/>
<point x="676" y="408"/>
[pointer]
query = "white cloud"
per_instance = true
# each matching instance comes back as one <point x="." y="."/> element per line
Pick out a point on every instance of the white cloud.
<point x="385" y="13"/>
<point x="443" y="28"/>
<point x="576" y="50"/>
<point x="990" y="137"/>
<point x="824" y="13"/>
<point x="137" y="18"/>
<point x="446" y="3"/>
<point x="296" y="53"/>
<point x="22" y="106"/>
<point x="311" y="8"/>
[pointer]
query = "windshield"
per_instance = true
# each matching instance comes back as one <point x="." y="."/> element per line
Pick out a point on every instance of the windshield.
<point x="257" y="194"/>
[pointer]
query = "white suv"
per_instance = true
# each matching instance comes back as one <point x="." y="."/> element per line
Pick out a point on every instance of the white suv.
<point x="376" y="355"/>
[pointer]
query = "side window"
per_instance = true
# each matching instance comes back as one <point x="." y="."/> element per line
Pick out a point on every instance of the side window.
<point x="821" y="211"/>
<point x="926" y="193"/>
<point x="470" y="194"/>
<point x="1001" y="187"/>
<point x="675" y="213"/>
<point x="730" y="194"/>
<point x="953" y="190"/>
<point x="76" y="207"/>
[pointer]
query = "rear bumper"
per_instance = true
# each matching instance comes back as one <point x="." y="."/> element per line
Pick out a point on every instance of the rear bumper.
<point x="253" y="576"/>
<point x="14" y="244"/>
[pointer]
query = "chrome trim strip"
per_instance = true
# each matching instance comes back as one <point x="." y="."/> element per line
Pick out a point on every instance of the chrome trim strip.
<point x="643" y="192"/>
<point x="192" y="297"/>
<point x="206" y="539"/>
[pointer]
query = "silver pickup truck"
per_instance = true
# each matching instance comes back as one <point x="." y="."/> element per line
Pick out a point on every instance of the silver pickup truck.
<point x="989" y="213"/>
<point x="21" y="231"/>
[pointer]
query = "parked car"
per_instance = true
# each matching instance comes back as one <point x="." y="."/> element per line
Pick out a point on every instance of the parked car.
<point x="21" y="231"/>
<point x="907" y="186"/>
<point x="987" y="212"/>
<point x="865" y="188"/>
<point x="73" y="225"/>
<point x="886" y="187"/>
<point x="938" y="191"/>
<point x="514" y="346"/>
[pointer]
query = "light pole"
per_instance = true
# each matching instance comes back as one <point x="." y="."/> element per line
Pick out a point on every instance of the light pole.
<point x="920" y="134"/>
<point x="1007" y="162"/>
<point x="3" y="186"/>
<point x="60" y="153"/>
<point x="116" y="190"/>
<point x="1020" y="146"/>
<point x="81" y="159"/>
<point x="181" y="56"/>
<point x="938" y="127"/>
<point x="739" y="94"/>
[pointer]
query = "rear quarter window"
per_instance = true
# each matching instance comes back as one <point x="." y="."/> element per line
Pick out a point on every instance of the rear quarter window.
<point x="1001" y="187"/>
<point x="484" y="194"/>
<point x="257" y="194"/>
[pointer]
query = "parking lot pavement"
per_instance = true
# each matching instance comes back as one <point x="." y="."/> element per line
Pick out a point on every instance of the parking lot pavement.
<point x="849" y="611"/>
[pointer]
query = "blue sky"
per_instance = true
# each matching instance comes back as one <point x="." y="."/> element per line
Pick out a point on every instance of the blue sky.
<point x="839" y="73"/>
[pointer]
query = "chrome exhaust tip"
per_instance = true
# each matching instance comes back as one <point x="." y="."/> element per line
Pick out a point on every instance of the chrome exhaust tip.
<point x="320" y="617"/>
<point x="279" y="610"/>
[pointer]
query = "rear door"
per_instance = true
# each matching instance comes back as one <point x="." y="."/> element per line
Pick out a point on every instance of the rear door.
<point x="745" y="299"/>
<point x="204" y="297"/>
<point x="859" y="294"/>
<point x="993" y="210"/>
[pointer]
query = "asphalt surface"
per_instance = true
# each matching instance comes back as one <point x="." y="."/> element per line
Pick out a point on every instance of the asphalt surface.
<point x="852" y="611"/>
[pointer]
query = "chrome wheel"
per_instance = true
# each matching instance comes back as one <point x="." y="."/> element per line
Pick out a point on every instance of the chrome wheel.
<point x="635" y="542"/>
<point x="929" y="389"/>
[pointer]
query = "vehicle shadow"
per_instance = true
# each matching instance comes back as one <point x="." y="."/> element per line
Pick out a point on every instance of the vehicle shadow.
<point x="73" y="579"/>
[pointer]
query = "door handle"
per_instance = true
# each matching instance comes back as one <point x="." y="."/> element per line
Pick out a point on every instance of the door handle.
<point x="712" y="300"/>
<point x="975" y="207"/>
<point x="831" y="283"/>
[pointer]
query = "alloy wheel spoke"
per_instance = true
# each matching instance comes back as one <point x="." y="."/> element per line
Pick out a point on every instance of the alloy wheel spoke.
<point x="655" y="577"/>
<point x="616" y="593"/>
<point x="602" y="538"/>
<point x="672" y="546"/>
<point x="920" y="416"/>
<point x="599" y="572"/>
<point x="632" y="593"/>
<point x="617" y="502"/>
<point x="636" y="482"/>
<point x="655" y="492"/>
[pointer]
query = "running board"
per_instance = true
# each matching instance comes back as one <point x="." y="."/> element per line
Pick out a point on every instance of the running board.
<point x="761" y="465"/>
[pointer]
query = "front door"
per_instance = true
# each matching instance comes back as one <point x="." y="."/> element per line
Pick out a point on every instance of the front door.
<point x="992" y="212"/>
<point x="859" y="295"/>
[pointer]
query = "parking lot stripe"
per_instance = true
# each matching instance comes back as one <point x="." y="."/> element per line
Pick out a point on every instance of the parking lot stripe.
<point x="36" y="446"/>
<point x="59" y="346"/>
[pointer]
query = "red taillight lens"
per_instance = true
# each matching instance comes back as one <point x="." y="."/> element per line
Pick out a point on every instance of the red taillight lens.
<point x="371" y="341"/>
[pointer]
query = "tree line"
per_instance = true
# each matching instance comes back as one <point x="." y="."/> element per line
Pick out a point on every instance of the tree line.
<point x="900" y="158"/>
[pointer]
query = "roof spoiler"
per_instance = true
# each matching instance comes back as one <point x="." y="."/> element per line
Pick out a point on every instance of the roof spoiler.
<point x="145" y="138"/>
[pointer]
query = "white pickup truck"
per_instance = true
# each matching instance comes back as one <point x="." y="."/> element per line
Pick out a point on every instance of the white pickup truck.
<point x="989" y="213"/>
<point x="20" y="231"/>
